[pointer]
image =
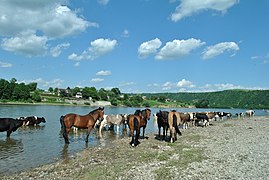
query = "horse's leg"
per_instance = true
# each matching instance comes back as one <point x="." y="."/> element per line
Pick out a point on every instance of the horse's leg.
<point x="132" y="134"/>
<point x="88" y="133"/>
<point x="9" y="132"/>
<point x="144" y="131"/>
<point x="118" y="129"/>
<point x="137" y="137"/>
<point x="65" y="134"/>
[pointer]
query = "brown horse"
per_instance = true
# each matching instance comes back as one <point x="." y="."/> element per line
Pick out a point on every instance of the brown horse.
<point x="134" y="125"/>
<point x="173" y="122"/>
<point x="145" y="117"/>
<point x="82" y="122"/>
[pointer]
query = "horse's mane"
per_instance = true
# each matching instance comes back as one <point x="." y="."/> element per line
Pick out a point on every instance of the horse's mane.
<point x="93" y="111"/>
<point x="137" y="112"/>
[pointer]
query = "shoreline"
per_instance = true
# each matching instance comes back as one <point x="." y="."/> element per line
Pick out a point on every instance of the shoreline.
<point x="233" y="149"/>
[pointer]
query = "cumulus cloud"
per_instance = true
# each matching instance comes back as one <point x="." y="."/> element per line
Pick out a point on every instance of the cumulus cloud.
<point x="220" y="48"/>
<point x="55" y="83"/>
<point x="103" y="73"/>
<point x="178" y="48"/>
<point x="149" y="47"/>
<point x="46" y="20"/>
<point x="102" y="46"/>
<point x="190" y="7"/>
<point x="5" y="65"/>
<point x="97" y="80"/>
<point x="103" y="2"/>
<point x="56" y="51"/>
<point x="125" y="33"/>
<point x="26" y="43"/>
<point x="98" y="48"/>
<point x="185" y="83"/>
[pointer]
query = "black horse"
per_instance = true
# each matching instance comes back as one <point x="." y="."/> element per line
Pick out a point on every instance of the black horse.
<point x="162" y="121"/>
<point x="10" y="125"/>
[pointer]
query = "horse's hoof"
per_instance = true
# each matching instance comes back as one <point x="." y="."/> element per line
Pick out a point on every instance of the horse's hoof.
<point x="67" y="142"/>
<point x="133" y="145"/>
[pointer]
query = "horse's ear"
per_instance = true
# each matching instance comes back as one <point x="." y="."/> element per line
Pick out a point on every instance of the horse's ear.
<point x="101" y="108"/>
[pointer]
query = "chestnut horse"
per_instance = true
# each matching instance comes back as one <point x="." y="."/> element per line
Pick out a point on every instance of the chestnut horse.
<point x="173" y="121"/>
<point x="82" y="122"/>
<point x="134" y="125"/>
<point x="145" y="117"/>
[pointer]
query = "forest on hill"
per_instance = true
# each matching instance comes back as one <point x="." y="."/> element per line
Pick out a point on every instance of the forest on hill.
<point x="248" y="99"/>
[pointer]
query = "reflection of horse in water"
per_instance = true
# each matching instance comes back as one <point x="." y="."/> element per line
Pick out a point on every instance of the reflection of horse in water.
<point x="10" y="147"/>
<point x="82" y="122"/>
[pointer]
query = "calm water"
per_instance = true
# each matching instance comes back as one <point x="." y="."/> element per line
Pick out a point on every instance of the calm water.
<point x="34" y="146"/>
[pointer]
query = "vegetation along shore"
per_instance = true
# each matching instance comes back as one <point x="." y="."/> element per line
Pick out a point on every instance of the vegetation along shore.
<point x="228" y="149"/>
<point x="12" y="92"/>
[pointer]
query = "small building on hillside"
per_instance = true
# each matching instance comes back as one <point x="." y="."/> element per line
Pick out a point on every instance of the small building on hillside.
<point x="79" y="95"/>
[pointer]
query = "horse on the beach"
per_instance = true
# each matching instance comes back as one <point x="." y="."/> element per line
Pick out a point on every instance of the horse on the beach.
<point x="134" y="126"/>
<point x="82" y="122"/>
<point x="162" y="121"/>
<point x="173" y="122"/>
<point x="145" y="117"/>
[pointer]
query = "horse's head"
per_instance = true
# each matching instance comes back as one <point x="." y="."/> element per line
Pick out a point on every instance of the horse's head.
<point x="146" y="113"/>
<point x="101" y="113"/>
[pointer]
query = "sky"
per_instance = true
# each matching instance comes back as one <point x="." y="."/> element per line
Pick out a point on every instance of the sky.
<point x="149" y="46"/>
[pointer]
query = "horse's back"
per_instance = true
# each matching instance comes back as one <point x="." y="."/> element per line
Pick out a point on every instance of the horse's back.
<point x="134" y="122"/>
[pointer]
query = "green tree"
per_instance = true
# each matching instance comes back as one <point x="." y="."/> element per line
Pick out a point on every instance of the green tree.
<point x="36" y="96"/>
<point x="50" y="89"/>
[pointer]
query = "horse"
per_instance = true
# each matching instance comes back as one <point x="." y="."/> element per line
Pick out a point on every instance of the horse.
<point x="112" y="120"/>
<point x="32" y="120"/>
<point x="10" y="125"/>
<point x="173" y="122"/>
<point x="250" y="113"/>
<point x="186" y="119"/>
<point x="134" y="125"/>
<point x="145" y="117"/>
<point x="82" y="122"/>
<point x="162" y="121"/>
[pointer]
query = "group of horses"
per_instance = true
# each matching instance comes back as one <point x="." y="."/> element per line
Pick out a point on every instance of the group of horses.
<point x="11" y="125"/>
<point x="134" y="121"/>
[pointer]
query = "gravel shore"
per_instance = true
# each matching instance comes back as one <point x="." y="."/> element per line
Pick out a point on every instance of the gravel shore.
<point x="227" y="149"/>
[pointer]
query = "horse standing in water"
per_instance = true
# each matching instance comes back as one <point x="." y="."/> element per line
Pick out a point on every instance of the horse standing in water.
<point x="145" y="117"/>
<point x="83" y="122"/>
<point x="134" y="125"/>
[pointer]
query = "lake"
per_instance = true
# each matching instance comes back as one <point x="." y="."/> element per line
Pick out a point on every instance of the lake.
<point x="34" y="146"/>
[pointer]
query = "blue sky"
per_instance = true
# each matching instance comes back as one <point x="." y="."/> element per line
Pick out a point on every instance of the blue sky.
<point x="136" y="45"/>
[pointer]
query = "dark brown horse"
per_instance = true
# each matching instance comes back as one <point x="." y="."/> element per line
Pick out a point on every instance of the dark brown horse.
<point x="82" y="122"/>
<point x="134" y="125"/>
<point x="144" y="120"/>
<point x="162" y="121"/>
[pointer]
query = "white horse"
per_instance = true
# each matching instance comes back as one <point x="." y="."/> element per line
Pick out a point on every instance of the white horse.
<point x="111" y="120"/>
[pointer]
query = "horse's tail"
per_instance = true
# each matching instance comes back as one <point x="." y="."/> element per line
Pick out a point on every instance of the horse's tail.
<point x="62" y="122"/>
<point x="175" y="123"/>
<point x="135" y="123"/>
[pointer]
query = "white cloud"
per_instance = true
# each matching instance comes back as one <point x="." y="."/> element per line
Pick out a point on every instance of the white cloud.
<point x="98" y="48"/>
<point x="46" y="20"/>
<point x="190" y="7"/>
<point x="103" y="73"/>
<point x="149" y="47"/>
<point x="220" y="48"/>
<point x="125" y="33"/>
<point x="103" y="2"/>
<point x="55" y="83"/>
<point x="5" y="65"/>
<point x="26" y="43"/>
<point x="102" y="46"/>
<point x="178" y="48"/>
<point x="56" y="51"/>
<point x="185" y="83"/>
<point x="97" y="80"/>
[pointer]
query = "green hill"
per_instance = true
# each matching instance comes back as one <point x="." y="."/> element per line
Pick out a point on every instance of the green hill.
<point x="258" y="99"/>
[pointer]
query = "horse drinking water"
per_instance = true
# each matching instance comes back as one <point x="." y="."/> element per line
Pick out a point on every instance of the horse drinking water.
<point x="82" y="122"/>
